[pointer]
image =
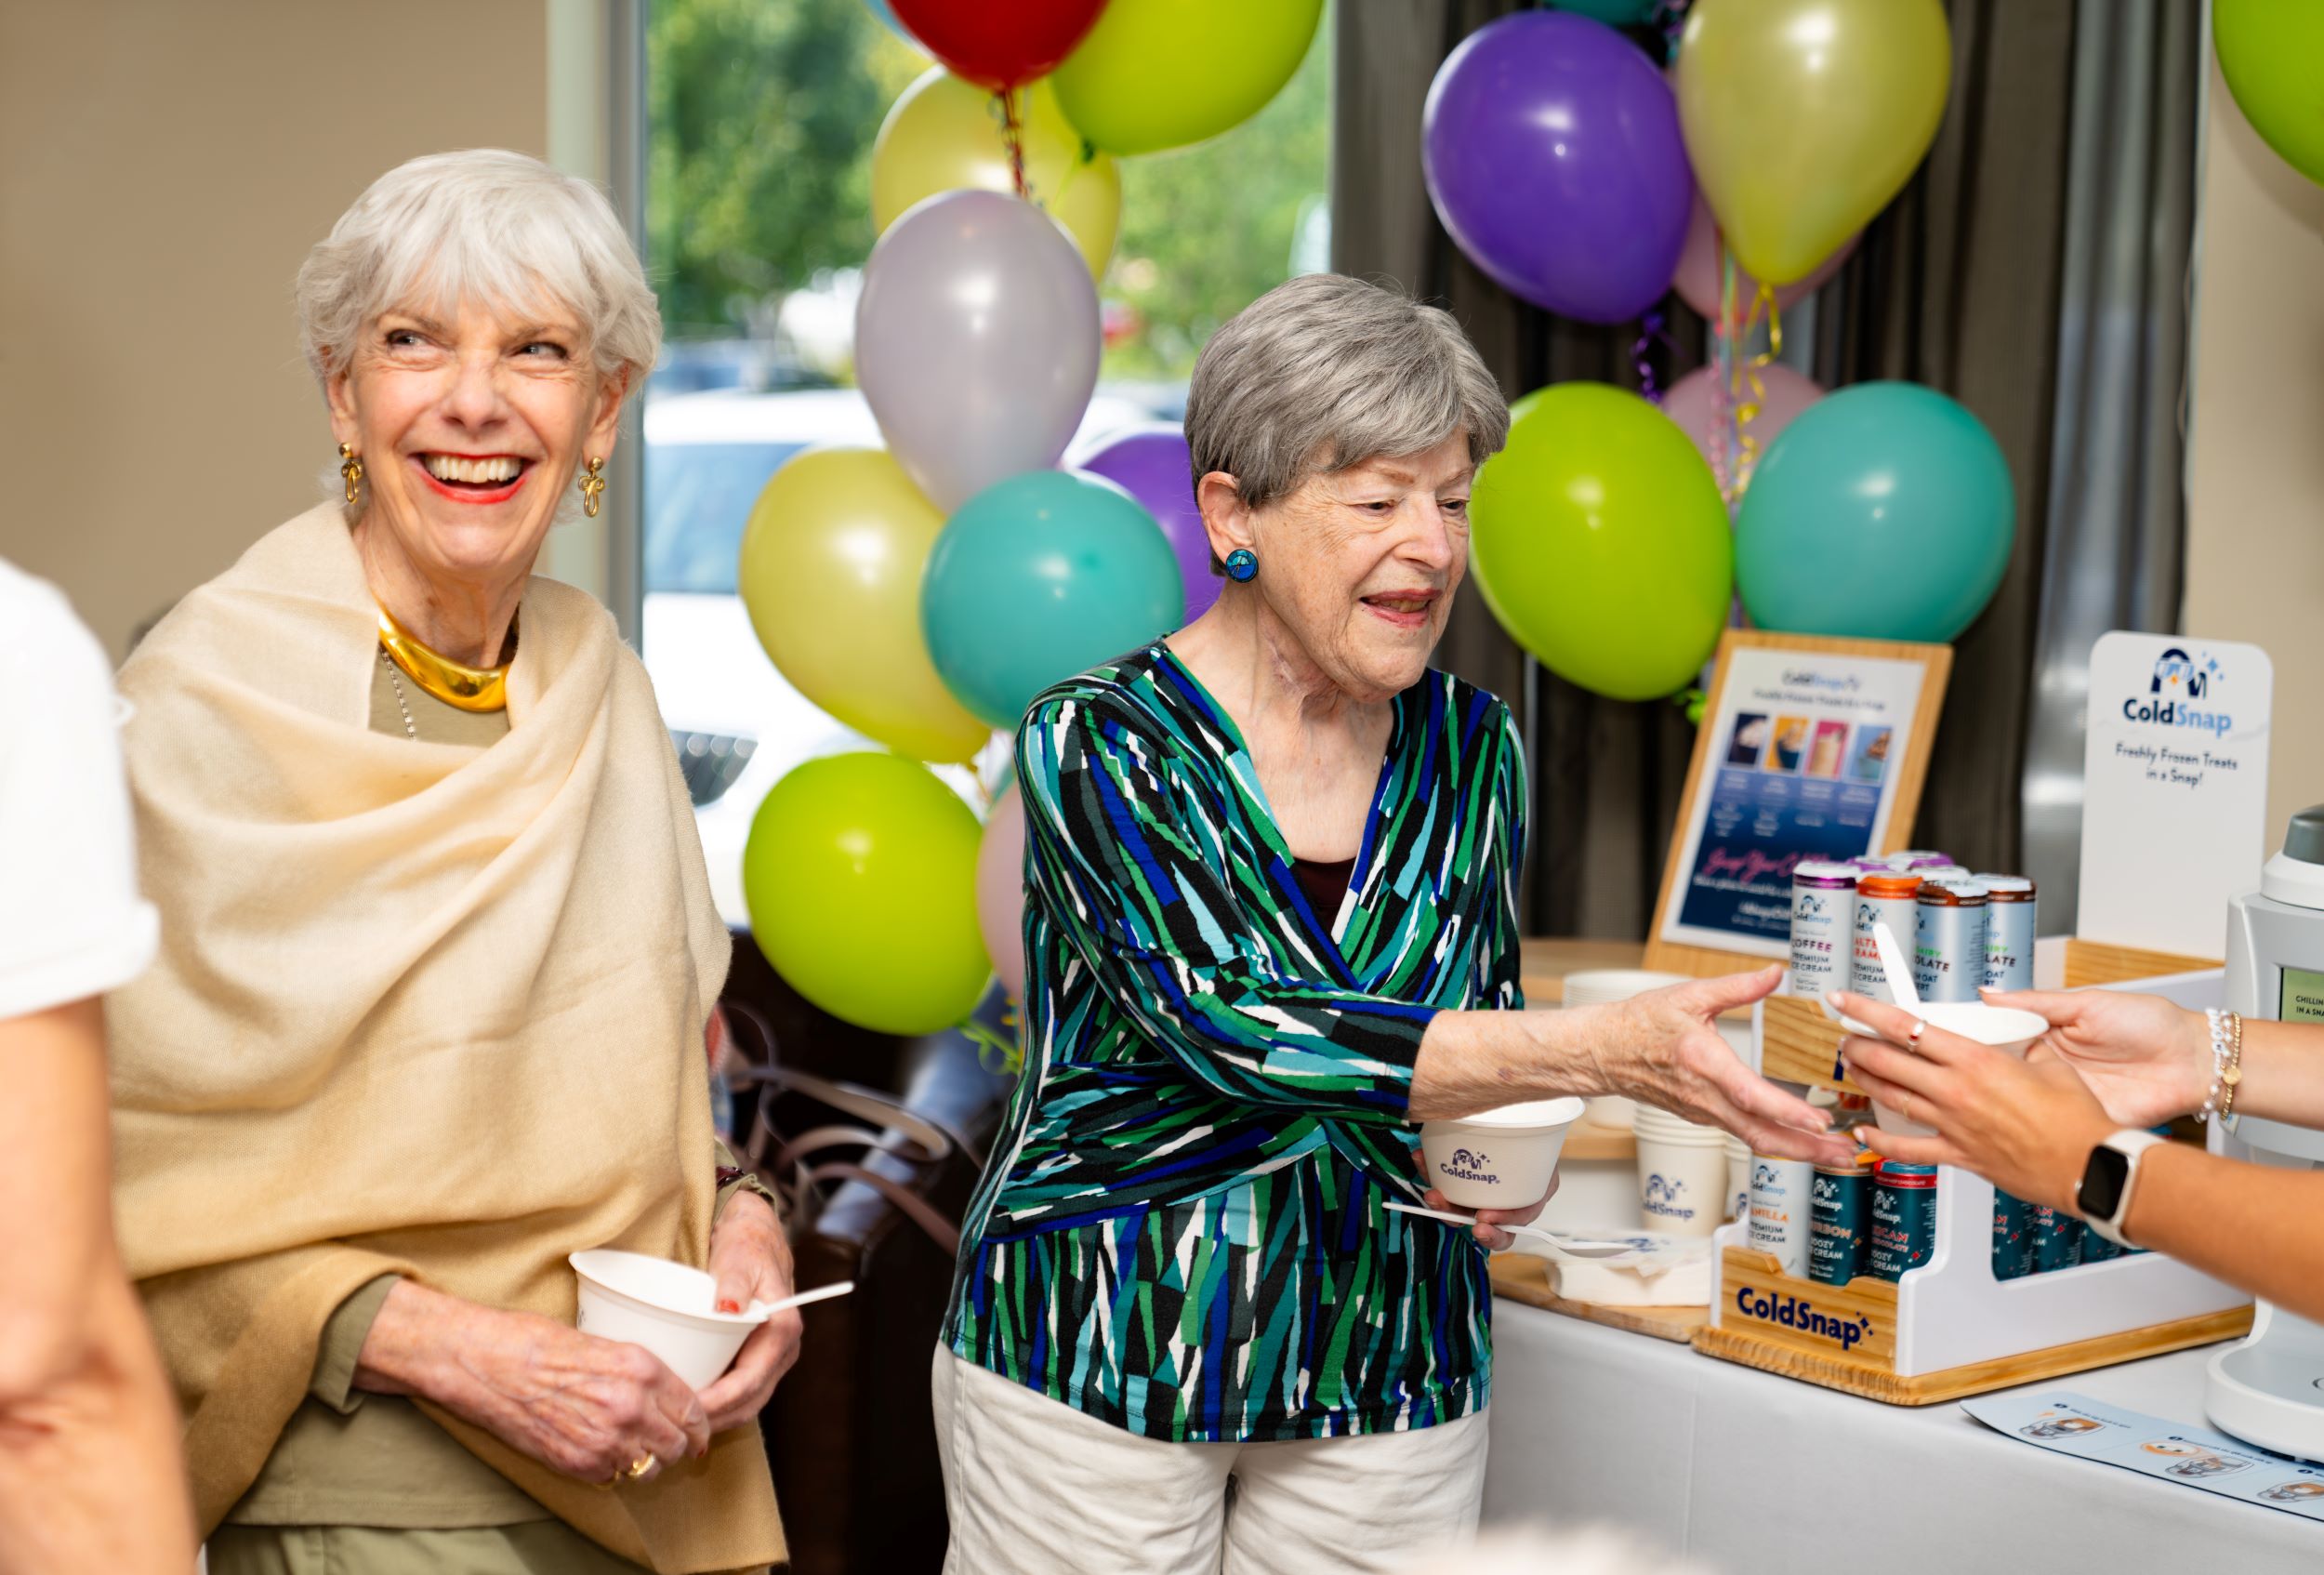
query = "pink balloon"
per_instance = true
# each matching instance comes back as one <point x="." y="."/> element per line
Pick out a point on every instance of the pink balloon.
<point x="1698" y="278"/>
<point x="1000" y="890"/>
<point x="1689" y="403"/>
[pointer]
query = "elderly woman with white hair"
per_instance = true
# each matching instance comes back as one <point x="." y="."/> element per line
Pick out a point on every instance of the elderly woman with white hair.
<point x="438" y="951"/>
<point x="1271" y="871"/>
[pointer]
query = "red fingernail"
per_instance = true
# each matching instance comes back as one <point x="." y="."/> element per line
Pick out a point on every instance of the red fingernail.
<point x="727" y="1304"/>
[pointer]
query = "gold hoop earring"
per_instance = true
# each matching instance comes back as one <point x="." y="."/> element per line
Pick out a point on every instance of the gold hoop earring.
<point x="593" y="487"/>
<point x="350" y="470"/>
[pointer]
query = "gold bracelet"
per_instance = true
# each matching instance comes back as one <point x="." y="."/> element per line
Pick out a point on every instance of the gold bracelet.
<point x="2233" y="1073"/>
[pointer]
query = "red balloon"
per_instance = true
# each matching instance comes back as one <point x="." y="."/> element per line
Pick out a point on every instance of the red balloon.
<point x="999" y="43"/>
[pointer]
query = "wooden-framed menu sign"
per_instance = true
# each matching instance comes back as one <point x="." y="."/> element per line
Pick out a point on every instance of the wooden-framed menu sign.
<point x="1809" y="749"/>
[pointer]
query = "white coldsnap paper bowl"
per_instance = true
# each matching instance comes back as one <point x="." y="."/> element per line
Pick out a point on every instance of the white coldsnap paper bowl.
<point x="2003" y="1028"/>
<point x="664" y="1306"/>
<point x="1498" y="1159"/>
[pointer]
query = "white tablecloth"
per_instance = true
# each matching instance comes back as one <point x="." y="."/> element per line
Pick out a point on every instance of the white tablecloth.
<point x="1755" y="1475"/>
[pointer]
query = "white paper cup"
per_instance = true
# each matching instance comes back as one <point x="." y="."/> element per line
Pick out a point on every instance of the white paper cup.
<point x="1604" y="986"/>
<point x="1499" y="1159"/>
<point x="1682" y="1174"/>
<point x="2003" y="1028"/>
<point x="664" y="1306"/>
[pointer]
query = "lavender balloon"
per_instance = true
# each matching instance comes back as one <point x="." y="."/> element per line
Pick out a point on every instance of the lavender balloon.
<point x="1552" y="152"/>
<point x="1153" y="466"/>
<point x="976" y="342"/>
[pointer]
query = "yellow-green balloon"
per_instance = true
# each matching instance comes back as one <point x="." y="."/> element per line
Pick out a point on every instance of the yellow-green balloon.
<point x="1600" y="541"/>
<point x="1162" y="73"/>
<point x="860" y="875"/>
<point x="2272" y="53"/>
<point x="830" y="573"/>
<point x="944" y="135"/>
<point x="1803" y="117"/>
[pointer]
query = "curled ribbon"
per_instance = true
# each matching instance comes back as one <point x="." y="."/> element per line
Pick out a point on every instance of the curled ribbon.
<point x="1748" y="407"/>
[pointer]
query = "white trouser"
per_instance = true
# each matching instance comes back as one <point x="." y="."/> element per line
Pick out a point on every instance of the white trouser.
<point x="1035" y="1488"/>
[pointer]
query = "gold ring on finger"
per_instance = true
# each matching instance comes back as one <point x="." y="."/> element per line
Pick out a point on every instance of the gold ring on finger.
<point x="639" y="1467"/>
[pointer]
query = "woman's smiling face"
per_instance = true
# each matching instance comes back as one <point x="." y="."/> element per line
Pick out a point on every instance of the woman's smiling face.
<point x="469" y="428"/>
<point x="1361" y="563"/>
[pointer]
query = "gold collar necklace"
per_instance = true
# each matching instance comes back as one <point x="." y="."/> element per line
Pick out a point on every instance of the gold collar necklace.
<point x="455" y="683"/>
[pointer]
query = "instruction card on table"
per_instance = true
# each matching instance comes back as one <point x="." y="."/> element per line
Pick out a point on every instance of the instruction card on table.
<point x="1807" y="749"/>
<point x="2192" y="1457"/>
<point x="2175" y="806"/>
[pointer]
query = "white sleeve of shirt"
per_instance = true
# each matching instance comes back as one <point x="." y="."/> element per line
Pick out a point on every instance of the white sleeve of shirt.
<point x="72" y="924"/>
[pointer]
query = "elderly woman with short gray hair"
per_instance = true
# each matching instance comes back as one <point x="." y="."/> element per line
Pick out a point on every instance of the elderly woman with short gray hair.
<point x="1271" y="871"/>
<point x="437" y="955"/>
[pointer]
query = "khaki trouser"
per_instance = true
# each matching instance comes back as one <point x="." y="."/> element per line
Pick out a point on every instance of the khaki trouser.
<point x="1035" y="1488"/>
<point x="539" y="1547"/>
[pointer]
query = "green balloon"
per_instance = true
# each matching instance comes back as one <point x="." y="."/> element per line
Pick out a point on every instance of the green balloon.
<point x="1162" y="73"/>
<point x="2272" y="53"/>
<point x="860" y="874"/>
<point x="1600" y="541"/>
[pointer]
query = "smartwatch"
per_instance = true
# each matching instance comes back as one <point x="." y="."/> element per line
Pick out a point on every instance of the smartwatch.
<point x="2104" y="1197"/>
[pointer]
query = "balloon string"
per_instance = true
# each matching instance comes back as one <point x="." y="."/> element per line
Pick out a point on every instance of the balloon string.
<point x="1012" y="133"/>
<point x="1748" y="409"/>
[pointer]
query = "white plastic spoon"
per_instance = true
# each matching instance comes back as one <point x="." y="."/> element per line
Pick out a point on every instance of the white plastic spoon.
<point x="1900" y="984"/>
<point x="1563" y="1248"/>
<point x="765" y="1310"/>
<point x="1892" y="963"/>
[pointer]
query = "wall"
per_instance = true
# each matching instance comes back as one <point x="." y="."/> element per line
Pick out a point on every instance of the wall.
<point x="2255" y="505"/>
<point x="164" y="168"/>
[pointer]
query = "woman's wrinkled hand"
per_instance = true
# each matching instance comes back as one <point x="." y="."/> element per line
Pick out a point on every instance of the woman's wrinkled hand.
<point x="1664" y="1049"/>
<point x="2146" y="1059"/>
<point x="751" y="1260"/>
<point x="592" y="1409"/>
<point x="2027" y="1127"/>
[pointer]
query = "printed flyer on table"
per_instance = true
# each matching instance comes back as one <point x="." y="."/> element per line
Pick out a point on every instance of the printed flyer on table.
<point x="1806" y="751"/>
<point x="2192" y="1457"/>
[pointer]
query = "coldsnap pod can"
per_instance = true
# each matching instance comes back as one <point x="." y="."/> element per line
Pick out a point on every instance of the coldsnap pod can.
<point x="1948" y="940"/>
<point x="2010" y="917"/>
<point x="1823" y="908"/>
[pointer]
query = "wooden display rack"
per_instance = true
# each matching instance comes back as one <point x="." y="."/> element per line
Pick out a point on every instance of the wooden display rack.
<point x="1950" y="1328"/>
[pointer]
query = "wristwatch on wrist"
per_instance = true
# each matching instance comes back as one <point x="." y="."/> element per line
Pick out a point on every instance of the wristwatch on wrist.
<point x="2112" y="1171"/>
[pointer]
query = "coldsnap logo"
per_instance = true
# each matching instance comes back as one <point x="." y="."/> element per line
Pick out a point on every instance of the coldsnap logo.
<point x="1467" y="1165"/>
<point x="2179" y="682"/>
<point x="1798" y="1313"/>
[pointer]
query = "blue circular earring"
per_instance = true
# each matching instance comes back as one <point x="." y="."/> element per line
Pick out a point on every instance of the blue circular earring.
<point x="1242" y="566"/>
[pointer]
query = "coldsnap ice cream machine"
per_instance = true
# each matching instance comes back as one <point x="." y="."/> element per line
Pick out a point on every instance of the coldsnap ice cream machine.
<point x="2269" y="1389"/>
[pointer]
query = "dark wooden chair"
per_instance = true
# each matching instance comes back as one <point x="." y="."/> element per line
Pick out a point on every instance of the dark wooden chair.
<point x="884" y="1174"/>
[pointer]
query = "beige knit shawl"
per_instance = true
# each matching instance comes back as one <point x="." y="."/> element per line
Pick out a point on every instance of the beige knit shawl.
<point x="421" y="1009"/>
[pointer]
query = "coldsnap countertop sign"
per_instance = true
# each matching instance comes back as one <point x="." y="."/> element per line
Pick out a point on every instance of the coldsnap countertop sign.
<point x="2174" y="802"/>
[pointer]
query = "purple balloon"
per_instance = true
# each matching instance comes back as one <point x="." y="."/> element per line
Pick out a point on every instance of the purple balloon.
<point x="1154" y="466"/>
<point x="1552" y="152"/>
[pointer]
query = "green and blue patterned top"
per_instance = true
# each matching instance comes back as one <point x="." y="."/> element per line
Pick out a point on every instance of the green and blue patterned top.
<point x="1183" y="1231"/>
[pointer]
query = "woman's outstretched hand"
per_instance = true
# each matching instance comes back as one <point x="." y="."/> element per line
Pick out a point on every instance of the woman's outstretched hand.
<point x="2146" y="1059"/>
<point x="1664" y="1049"/>
<point x="2027" y="1127"/>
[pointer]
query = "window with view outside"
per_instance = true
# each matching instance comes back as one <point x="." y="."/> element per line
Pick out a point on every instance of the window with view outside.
<point x="761" y="117"/>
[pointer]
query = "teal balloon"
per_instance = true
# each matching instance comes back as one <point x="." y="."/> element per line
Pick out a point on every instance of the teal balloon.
<point x="1884" y="512"/>
<point x="1039" y="577"/>
<point x="1613" y="13"/>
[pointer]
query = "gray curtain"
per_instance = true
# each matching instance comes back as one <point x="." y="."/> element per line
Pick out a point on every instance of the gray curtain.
<point x="1957" y="287"/>
<point x="1605" y="774"/>
<point x="2117" y="511"/>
